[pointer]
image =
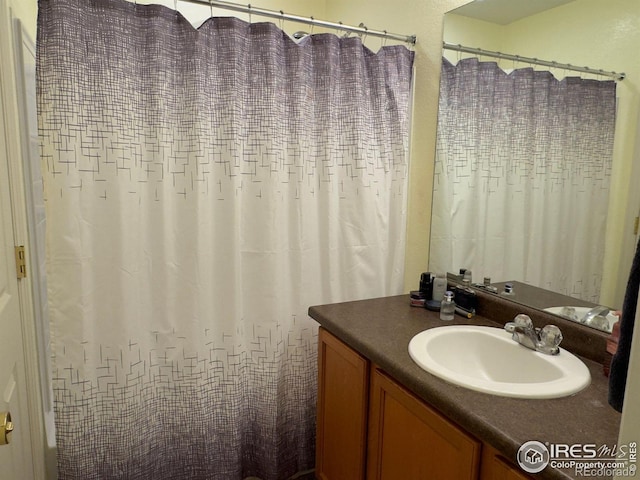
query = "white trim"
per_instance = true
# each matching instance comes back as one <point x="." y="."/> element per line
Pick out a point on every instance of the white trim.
<point x="25" y="51"/>
<point x="11" y="115"/>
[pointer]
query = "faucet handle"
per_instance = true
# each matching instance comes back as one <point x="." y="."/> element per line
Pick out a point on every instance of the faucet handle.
<point x="550" y="338"/>
<point x="524" y="321"/>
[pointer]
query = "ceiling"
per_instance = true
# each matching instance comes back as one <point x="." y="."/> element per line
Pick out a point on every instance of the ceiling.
<point x="504" y="12"/>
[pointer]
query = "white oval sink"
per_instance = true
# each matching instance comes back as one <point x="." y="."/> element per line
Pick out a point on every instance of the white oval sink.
<point x="488" y="360"/>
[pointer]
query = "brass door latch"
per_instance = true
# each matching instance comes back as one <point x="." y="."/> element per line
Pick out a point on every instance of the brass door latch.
<point x="6" y="427"/>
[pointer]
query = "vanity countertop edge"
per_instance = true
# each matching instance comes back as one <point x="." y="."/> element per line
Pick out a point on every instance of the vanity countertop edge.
<point x="380" y="329"/>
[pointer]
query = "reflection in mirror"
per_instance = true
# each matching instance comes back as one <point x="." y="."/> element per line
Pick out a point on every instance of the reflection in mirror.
<point x="523" y="167"/>
<point x="578" y="311"/>
<point x="525" y="155"/>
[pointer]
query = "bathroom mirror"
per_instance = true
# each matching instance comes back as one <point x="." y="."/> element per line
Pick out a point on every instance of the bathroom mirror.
<point x="577" y="32"/>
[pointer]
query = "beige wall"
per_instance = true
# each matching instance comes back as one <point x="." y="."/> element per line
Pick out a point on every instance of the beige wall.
<point x="27" y="12"/>
<point x="311" y="8"/>
<point x="470" y="32"/>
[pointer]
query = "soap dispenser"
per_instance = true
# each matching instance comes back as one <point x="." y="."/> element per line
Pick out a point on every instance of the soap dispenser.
<point x="447" y="307"/>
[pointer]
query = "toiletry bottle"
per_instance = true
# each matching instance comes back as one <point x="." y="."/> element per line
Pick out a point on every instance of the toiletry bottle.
<point x="447" y="307"/>
<point x="439" y="287"/>
<point x="468" y="276"/>
<point x="508" y="290"/>
<point x="461" y="276"/>
<point x="426" y="285"/>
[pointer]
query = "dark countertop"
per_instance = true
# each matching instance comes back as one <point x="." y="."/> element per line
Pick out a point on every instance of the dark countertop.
<point x="380" y="329"/>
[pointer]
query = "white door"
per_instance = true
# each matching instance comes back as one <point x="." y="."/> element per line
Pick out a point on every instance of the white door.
<point x="15" y="457"/>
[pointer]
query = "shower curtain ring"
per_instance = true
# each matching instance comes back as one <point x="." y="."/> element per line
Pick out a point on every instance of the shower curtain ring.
<point x="312" y="24"/>
<point x="384" y="39"/>
<point x="249" y="7"/>
<point x="362" y="36"/>
<point x="340" y="30"/>
<point x="211" y="7"/>
<point x="282" y="20"/>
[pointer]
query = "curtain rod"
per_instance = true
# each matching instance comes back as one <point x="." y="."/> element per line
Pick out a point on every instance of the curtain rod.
<point x="362" y="29"/>
<point x="535" y="61"/>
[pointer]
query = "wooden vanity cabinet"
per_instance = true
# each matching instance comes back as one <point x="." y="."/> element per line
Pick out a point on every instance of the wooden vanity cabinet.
<point x="496" y="467"/>
<point x="370" y="427"/>
<point x="343" y="397"/>
<point x="408" y="439"/>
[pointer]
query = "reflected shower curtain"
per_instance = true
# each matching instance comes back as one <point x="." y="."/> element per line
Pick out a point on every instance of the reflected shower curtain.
<point x="522" y="172"/>
<point x="204" y="187"/>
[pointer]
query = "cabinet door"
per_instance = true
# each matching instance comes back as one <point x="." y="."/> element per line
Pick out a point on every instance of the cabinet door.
<point x="495" y="467"/>
<point x="343" y="389"/>
<point x="409" y="440"/>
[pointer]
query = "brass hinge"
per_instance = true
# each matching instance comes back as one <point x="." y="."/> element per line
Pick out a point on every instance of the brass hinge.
<point x="21" y="263"/>
<point x="635" y="226"/>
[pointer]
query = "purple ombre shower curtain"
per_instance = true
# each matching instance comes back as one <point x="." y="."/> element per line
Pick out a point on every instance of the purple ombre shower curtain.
<point x="203" y="188"/>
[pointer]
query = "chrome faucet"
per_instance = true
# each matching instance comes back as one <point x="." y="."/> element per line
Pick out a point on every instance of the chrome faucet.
<point x="596" y="317"/>
<point x="544" y="340"/>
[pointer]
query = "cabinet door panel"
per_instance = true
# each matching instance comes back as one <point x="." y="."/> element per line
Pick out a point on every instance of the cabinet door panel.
<point x="409" y="440"/>
<point x="495" y="467"/>
<point x="343" y="389"/>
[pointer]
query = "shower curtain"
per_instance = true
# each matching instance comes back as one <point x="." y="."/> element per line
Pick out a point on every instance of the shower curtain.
<point x="203" y="188"/>
<point x="522" y="174"/>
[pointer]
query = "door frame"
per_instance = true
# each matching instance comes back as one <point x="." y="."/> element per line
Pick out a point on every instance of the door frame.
<point x="8" y="90"/>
